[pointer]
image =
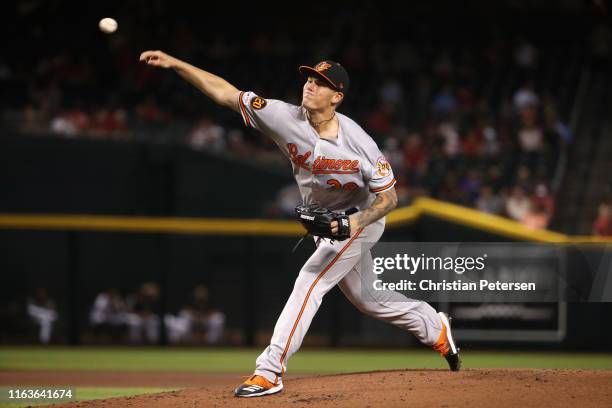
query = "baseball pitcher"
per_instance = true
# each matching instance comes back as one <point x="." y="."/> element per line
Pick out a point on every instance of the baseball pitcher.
<point x="347" y="187"/>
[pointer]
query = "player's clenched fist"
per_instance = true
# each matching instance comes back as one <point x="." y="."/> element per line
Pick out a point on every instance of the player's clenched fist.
<point x="158" y="59"/>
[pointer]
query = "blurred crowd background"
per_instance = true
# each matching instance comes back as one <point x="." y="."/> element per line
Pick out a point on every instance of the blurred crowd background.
<point x="478" y="108"/>
<point x="132" y="318"/>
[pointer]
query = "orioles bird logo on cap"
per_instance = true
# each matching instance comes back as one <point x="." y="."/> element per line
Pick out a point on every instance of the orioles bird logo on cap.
<point x="322" y="66"/>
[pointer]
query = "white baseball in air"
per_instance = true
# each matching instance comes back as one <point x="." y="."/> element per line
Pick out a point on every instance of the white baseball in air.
<point x="108" y="25"/>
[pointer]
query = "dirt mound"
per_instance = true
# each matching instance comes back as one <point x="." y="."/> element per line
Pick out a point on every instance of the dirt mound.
<point x="414" y="388"/>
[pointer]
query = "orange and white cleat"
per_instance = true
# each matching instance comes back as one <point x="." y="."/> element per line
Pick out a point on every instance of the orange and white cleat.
<point x="257" y="386"/>
<point x="446" y="345"/>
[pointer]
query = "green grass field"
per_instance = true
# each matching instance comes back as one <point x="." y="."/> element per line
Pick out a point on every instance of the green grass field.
<point x="242" y="361"/>
<point x="306" y="361"/>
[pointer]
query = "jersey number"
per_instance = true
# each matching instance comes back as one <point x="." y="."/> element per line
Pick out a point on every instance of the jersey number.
<point x="336" y="185"/>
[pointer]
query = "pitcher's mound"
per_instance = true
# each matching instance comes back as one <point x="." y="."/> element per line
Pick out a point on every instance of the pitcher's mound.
<point x="406" y="388"/>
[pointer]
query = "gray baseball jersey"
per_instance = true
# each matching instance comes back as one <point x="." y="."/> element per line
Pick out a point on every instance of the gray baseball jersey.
<point x="338" y="174"/>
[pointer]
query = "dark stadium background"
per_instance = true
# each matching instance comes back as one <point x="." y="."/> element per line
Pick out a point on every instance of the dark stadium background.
<point x="86" y="129"/>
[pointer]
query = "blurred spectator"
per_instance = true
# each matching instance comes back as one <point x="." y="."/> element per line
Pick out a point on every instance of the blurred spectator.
<point x="602" y="226"/>
<point x="531" y="137"/>
<point x="286" y="200"/>
<point x="207" y="136"/>
<point x="414" y="151"/>
<point x="494" y="178"/>
<point x="109" y="124"/>
<point x="466" y="99"/>
<point x="489" y="202"/>
<point x="120" y="124"/>
<point x="536" y="217"/>
<point x="109" y="312"/>
<point x="444" y="102"/>
<point x="198" y="317"/>
<point x="542" y="200"/>
<point x="506" y="111"/>
<point x="42" y="310"/>
<point x="450" y="190"/>
<point x="178" y="327"/>
<point x="525" y="97"/>
<point x="62" y="125"/>
<point x="450" y="136"/>
<point x="490" y="143"/>
<point x="470" y="185"/>
<point x="34" y="120"/>
<point x="517" y="205"/>
<point x="392" y="92"/>
<point x="149" y="111"/>
<point x="78" y="118"/>
<point x="523" y="178"/>
<point x="472" y="145"/>
<point x="143" y="314"/>
<point x="557" y="133"/>
<point x="380" y="120"/>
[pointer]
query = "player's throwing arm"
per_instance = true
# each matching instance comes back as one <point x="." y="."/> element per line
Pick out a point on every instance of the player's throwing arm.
<point x="216" y="88"/>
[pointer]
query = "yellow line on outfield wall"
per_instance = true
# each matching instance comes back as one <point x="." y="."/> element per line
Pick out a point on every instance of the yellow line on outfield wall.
<point x="487" y="222"/>
<point x="180" y="225"/>
<point x="495" y="224"/>
<point x="225" y="226"/>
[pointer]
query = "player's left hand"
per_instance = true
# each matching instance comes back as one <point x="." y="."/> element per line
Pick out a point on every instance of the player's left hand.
<point x="354" y="225"/>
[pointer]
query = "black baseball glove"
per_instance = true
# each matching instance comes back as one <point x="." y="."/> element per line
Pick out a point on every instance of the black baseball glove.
<point x="317" y="221"/>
